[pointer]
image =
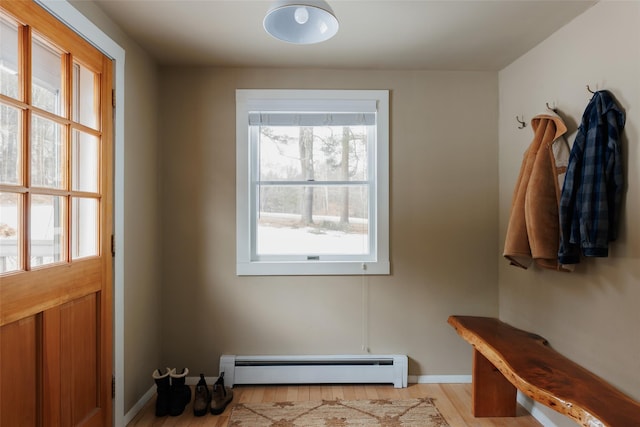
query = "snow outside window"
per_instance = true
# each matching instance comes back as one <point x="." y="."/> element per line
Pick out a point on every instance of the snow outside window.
<point x="312" y="182"/>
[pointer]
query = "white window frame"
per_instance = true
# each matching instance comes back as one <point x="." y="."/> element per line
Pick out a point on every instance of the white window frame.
<point x="377" y="263"/>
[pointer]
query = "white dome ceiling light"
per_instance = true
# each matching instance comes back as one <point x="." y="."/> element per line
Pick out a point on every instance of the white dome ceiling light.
<point x="301" y="22"/>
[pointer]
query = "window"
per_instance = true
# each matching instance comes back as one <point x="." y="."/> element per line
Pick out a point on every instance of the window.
<point x="312" y="182"/>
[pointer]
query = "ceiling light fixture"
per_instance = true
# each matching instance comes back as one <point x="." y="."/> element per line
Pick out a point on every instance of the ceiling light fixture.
<point x="301" y="21"/>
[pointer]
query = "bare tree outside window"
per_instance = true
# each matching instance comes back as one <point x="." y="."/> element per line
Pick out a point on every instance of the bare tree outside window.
<point x="305" y="143"/>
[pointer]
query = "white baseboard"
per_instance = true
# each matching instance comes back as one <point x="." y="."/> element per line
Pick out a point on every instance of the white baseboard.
<point x="439" y="379"/>
<point x="533" y="408"/>
<point x="139" y="405"/>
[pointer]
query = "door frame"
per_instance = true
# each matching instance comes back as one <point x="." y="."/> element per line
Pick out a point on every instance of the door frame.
<point x="79" y="23"/>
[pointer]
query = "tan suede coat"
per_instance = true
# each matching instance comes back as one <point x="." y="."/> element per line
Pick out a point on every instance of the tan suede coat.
<point x="533" y="232"/>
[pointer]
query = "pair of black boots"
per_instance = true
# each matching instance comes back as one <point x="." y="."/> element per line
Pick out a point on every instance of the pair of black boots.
<point x="173" y="394"/>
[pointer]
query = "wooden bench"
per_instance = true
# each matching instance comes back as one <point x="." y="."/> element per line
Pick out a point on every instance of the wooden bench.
<point x="506" y="359"/>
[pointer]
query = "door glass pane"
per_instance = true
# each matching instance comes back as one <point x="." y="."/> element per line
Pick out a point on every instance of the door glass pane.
<point x="8" y="58"/>
<point x="47" y="154"/>
<point x="46" y="79"/>
<point x="47" y="238"/>
<point x="85" y="227"/>
<point x="85" y="96"/>
<point x="85" y="162"/>
<point x="10" y="212"/>
<point x="10" y="147"/>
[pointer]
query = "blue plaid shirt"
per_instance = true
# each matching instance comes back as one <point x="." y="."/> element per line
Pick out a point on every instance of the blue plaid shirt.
<point x="592" y="191"/>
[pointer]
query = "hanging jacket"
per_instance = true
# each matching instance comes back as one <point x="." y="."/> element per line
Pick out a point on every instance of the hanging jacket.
<point x="592" y="191"/>
<point x="533" y="230"/>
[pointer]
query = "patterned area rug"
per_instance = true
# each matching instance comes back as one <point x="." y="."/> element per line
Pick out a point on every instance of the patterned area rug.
<point x="339" y="413"/>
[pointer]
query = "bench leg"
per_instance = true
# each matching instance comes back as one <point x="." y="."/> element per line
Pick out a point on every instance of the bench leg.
<point x="492" y="394"/>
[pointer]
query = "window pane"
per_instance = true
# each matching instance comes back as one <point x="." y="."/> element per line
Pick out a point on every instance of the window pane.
<point x="9" y="58"/>
<point x="46" y="79"/>
<point x="85" y="162"/>
<point x="85" y="227"/>
<point x="47" y="154"/>
<point x="313" y="220"/>
<point x="85" y="105"/>
<point x="47" y="239"/>
<point x="320" y="153"/>
<point x="10" y="145"/>
<point x="10" y="212"/>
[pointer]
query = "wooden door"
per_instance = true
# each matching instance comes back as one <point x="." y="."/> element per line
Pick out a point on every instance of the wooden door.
<point x="55" y="223"/>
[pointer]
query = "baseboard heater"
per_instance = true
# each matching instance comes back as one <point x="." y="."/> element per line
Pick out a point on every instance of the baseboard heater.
<point x="328" y="369"/>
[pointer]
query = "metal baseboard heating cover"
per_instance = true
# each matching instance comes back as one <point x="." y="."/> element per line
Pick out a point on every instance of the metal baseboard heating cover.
<point x="324" y="369"/>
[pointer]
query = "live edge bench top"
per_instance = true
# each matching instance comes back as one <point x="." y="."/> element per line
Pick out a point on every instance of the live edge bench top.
<point x="543" y="374"/>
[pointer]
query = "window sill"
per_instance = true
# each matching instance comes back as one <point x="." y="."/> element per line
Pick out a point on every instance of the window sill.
<point x="313" y="268"/>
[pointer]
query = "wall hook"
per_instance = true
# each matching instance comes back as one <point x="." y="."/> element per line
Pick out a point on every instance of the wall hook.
<point x="522" y="123"/>
<point x="589" y="89"/>
<point x="550" y="108"/>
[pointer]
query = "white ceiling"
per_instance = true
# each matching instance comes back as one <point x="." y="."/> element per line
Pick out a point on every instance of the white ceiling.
<point x="373" y="34"/>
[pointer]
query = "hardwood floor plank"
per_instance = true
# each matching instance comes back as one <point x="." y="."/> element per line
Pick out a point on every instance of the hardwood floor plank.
<point x="258" y="393"/>
<point x="315" y="392"/>
<point x="360" y="392"/>
<point x="404" y="393"/>
<point x="337" y="391"/>
<point x="370" y="393"/>
<point x="281" y="393"/>
<point x="444" y="404"/>
<point x="292" y="394"/>
<point x="385" y="392"/>
<point x="452" y="400"/>
<point x="303" y="393"/>
<point x="349" y="392"/>
<point x="243" y="395"/>
<point x="269" y="394"/>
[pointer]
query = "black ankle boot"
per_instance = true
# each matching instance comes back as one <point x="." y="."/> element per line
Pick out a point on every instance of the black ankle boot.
<point x="163" y="386"/>
<point x="180" y="393"/>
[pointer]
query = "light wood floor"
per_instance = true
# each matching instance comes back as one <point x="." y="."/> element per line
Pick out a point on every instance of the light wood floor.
<point x="452" y="400"/>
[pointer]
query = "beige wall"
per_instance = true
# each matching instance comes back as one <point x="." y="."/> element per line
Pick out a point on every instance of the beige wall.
<point x="451" y="186"/>
<point x="590" y="315"/>
<point x="142" y="296"/>
<point x="443" y="226"/>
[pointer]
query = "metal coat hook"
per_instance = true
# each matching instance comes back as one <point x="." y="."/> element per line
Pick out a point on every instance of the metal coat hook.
<point x="589" y="89"/>
<point x="522" y="123"/>
<point x="549" y="108"/>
